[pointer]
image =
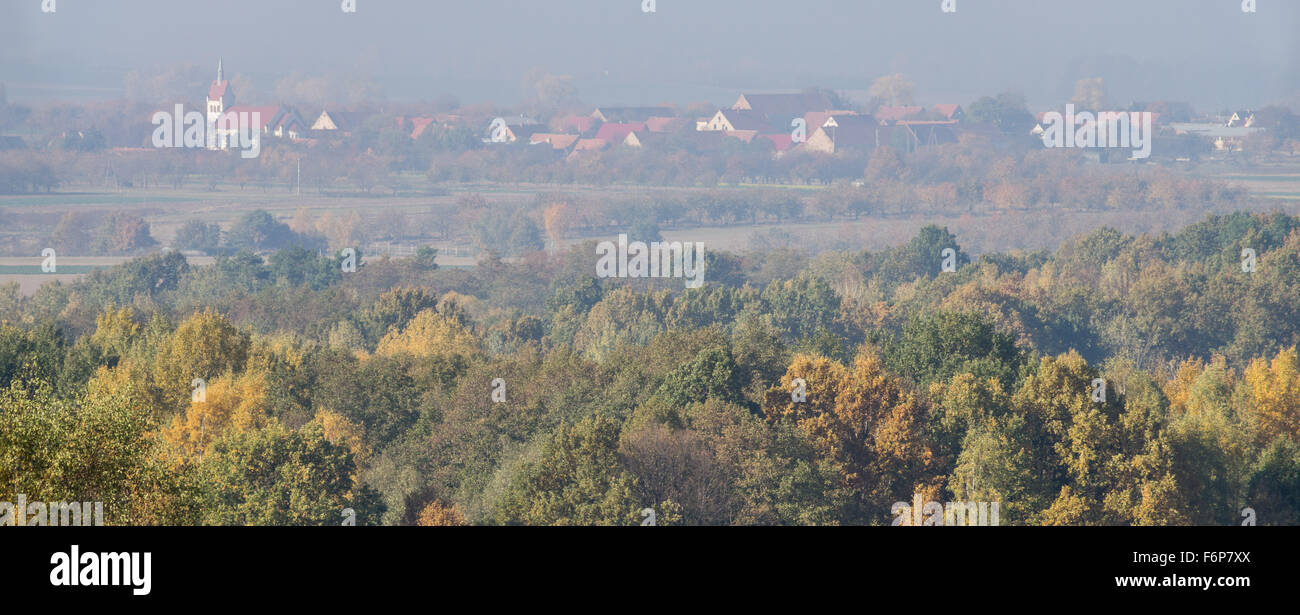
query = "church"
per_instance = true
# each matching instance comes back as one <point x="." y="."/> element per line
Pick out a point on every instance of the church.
<point x="223" y="116"/>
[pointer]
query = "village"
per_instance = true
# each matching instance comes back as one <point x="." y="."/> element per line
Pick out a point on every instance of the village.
<point x="806" y="121"/>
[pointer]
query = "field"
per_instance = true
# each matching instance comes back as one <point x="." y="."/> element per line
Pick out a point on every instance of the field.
<point x="27" y="272"/>
<point x="422" y="219"/>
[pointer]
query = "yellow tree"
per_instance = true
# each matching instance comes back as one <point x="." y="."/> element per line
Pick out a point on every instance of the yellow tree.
<point x="115" y="330"/>
<point x="1179" y="388"/>
<point x="438" y="514"/>
<point x="205" y="346"/>
<point x="866" y="423"/>
<point x="429" y="334"/>
<point x="342" y="432"/>
<point x="1274" y="391"/>
<point x="557" y="218"/>
<point x="302" y="222"/>
<point x="231" y="403"/>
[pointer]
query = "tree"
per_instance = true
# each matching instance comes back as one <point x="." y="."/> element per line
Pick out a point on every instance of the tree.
<point x="1090" y="94"/>
<point x="1274" y="393"/>
<point x="258" y="230"/>
<point x="677" y="466"/>
<point x="436" y="514"/>
<point x="545" y="90"/>
<point x="430" y="334"/>
<point x="122" y="233"/>
<point x="198" y="236"/>
<point x="577" y="480"/>
<point x="95" y="447"/>
<point x="935" y="347"/>
<point x="507" y="235"/>
<point x="394" y="309"/>
<point x="230" y="403"/>
<point x="894" y="90"/>
<point x="274" y="476"/>
<point x="204" y="346"/>
<point x="1007" y="111"/>
<point x="870" y="427"/>
<point x="72" y="235"/>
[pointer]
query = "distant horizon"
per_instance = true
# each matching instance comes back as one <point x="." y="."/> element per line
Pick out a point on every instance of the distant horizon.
<point x="721" y="97"/>
<point x="1204" y="52"/>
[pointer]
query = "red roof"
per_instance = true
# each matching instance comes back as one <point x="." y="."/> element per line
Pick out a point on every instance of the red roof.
<point x="590" y="144"/>
<point x="926" y="122"/>
<point x="616" y="133"/>
<point x="231" y="115"/>
<point x="556" y="141"/>
<point x="418" y="125"/>
<point x="782" y="142"/>
<point x="743" y="135"/>
<point x="665" y="124"/>
<point x="947" y="110"/>
<point x="217" y="91"/>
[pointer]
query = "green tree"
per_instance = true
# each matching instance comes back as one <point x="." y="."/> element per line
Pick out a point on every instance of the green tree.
<point x="577" y="480"/>
<point x="275" y="476"/>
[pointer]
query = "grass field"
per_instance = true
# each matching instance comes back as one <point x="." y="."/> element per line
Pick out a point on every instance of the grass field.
<point x="166" y="209"/>
<point x="27" y="273"/>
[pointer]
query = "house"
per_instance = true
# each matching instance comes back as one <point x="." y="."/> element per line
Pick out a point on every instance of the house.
<point x="626" y="115"/>
<point x="665" y="124"/>
<point x="816" y="119"/>
<point x="225" y="117"/>
<point x="1241" y="119"/>
<point x="729" y="120"/>
<point x="781" y="142"/>
<point x="1224" y="138"/>
<point x="746" y="136"/>
<point x="345" y="122"/>
<point x="844" y="132"/>
<point x="586" y="145"/>
<point x="221" y="96"/>
<point x="632" y="140"/>
<point x="557" y="141"/>
<point x="282" y="122"/>
<point x="515" y="128"/>
<point x="618" y="133"/>
<point x="418" y="125"/>
<point x="783" y="108"/>
<point x="579" y="124"/>
<point x="925" y="133"/>
<point x="951" y="112"/>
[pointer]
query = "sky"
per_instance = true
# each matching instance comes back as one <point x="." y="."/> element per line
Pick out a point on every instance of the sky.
<point x="1207" y="52"/>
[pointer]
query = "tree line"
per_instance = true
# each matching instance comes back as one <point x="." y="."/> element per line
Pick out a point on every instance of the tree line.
<point x="282" y="390"/>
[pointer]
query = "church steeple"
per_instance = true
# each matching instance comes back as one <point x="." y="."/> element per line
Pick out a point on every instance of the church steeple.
<point x="221" y="73"/>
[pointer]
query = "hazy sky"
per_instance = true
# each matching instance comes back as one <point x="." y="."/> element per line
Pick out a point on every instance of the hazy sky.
<point x="1207" y="52"/>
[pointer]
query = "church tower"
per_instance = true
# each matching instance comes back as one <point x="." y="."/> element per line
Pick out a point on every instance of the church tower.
<point x="220" y="98"/>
